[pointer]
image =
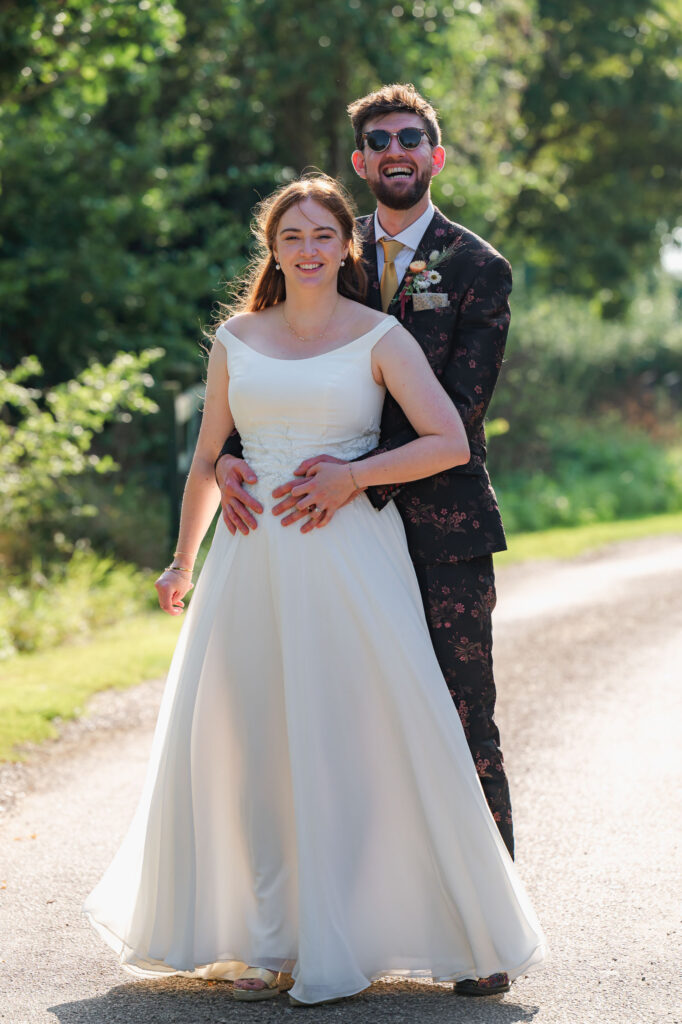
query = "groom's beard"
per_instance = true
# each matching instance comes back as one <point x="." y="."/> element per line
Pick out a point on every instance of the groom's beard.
<point x="400" y="198"/>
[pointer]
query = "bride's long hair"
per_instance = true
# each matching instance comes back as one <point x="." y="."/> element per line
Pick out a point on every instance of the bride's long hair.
<point x="262" y="285"/>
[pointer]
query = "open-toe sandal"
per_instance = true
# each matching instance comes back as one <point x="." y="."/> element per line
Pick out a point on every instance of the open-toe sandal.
<point x="271" y="979"/>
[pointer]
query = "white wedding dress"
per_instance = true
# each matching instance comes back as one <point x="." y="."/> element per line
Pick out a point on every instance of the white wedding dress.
<point x="311" y="804"/>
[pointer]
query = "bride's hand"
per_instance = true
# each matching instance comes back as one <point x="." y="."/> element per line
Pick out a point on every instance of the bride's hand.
<point x="171" y="588"/>
<point x="328" y="486"/>
<point x="289" y="503"/>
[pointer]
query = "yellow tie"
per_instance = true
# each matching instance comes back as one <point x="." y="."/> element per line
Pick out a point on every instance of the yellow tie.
<point x="389" y="277"/>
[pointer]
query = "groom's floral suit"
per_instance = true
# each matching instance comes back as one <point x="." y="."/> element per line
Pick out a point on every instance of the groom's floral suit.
<point x="452" y="521"/>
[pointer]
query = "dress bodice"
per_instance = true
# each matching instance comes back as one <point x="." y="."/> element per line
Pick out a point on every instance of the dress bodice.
<point x="287" y="410"/>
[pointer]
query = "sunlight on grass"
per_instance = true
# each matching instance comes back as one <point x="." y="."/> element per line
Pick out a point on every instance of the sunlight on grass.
<point x="572" y="541"/>
<point x="37" y="688"/>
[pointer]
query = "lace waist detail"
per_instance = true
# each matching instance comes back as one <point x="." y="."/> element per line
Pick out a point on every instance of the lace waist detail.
<point x="274" y="459"/>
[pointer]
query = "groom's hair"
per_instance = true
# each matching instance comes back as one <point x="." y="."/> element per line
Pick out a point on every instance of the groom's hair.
<point x="391" y="99"/>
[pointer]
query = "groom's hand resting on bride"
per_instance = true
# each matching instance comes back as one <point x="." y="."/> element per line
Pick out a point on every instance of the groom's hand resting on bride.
<point x="327" y="487"/>
<point x="230" y="474"/>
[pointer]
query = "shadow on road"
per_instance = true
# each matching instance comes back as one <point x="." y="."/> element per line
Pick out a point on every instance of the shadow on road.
<point x="200" y="1002"/>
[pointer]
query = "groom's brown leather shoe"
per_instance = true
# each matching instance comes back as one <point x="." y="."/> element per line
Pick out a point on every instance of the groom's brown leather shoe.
<point x="492" y="986"/>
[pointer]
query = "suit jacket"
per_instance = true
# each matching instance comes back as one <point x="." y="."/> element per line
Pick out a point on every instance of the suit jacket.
<point x="453" y="515"/>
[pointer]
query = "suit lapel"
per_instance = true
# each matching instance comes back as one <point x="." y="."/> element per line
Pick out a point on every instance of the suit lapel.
<point x="429" y="241"/>
<point x="369" y="259"/>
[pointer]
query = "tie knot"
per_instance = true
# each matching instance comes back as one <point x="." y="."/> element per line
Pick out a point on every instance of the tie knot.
<point x="391" y="248"/>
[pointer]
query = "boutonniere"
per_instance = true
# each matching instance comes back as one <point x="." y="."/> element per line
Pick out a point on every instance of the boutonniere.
<point x="420" y="278"/>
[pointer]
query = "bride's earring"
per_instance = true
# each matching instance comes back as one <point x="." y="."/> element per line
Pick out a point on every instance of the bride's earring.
<point x="343" y="263"/>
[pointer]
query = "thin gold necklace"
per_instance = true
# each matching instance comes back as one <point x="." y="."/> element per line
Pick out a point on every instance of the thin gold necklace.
<point x="319" y="337"/>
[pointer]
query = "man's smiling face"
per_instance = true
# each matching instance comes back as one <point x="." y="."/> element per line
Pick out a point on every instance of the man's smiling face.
<point x="398" y="177"/>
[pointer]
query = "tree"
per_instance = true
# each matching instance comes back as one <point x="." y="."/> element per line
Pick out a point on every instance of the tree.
<point x="601" y="145"/>
<point x="138" y="136"/>
<point x="46" y="443"/>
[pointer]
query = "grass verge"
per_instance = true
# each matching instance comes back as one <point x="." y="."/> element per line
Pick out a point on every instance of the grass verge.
<point x="568" y="542"/>
<point x="37" y="688"/>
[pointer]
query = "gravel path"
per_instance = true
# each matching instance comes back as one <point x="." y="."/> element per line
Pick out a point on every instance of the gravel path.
<point x="588" y="659"/>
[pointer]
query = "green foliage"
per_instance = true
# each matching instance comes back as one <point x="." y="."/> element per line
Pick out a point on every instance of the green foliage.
<point x="46" y="440"/>
<point x="78" y="47"/>
<point x="599" y="473"/>
<point x="78" y="86"/>
<point x="135" y="142"/>
<point x="132" y="520"/>
<point x="599" y="143"/>
<point x="65" y="603"/>
<point x="564" y="361"/>
<point x="593" y="409"/>
<point x="136" y="138"/>
<point x="37" y="690"/>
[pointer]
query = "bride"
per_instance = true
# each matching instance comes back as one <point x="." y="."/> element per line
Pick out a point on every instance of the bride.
<point x="297" y="814"/>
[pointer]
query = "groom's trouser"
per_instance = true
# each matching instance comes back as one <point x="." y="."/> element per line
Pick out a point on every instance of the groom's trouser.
<point x="458" y="600"/>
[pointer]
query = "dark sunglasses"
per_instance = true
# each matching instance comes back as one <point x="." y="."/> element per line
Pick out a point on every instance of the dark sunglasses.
<point x="379" y="139"/>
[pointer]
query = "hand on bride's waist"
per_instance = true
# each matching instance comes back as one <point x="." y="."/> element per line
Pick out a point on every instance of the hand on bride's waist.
<point x="239" y="508"/>
<point x="321" y="486"/>
<point x="317" y="479"/>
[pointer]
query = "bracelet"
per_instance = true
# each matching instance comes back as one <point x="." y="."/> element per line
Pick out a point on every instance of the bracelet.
<point x="177" y="553"/>
<point x="177" y="568"/>
<point x="352" y="476"/>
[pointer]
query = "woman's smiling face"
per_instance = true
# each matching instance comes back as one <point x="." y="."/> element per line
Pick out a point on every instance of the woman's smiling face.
<point x="309" y="244"/>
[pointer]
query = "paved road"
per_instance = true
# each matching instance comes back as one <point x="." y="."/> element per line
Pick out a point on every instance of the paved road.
<point x="589" y="659"/>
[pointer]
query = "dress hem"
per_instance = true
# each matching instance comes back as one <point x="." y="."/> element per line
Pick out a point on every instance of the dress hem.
<point x="160" y="968"/>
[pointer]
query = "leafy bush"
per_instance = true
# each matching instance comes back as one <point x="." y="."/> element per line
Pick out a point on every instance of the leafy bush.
<point x="563" y="361"/>
<point x="598" y="472"/>
<point x="594" y="412"/>
<point x="132" y="519"/>
<point x="67" y="602"/>
<point x="46" y="441"/>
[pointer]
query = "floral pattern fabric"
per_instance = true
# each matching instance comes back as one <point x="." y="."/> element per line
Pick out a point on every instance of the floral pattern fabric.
<point x="458" y="601"/>
<point x="453" y="515"/>
<point x="452" y="520"/>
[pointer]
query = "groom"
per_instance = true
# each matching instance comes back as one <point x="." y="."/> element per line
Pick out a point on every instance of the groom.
<point x="450" y="289"/>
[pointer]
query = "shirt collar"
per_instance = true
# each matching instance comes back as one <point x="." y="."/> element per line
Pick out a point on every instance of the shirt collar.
<point x="412" y="235"/>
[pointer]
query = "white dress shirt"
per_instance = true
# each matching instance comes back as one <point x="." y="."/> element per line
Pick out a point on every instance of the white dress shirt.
<point x="410" y="237"/>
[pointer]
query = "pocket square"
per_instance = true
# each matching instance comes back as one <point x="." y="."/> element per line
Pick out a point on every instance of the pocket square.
<point x="430" y="300"/>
